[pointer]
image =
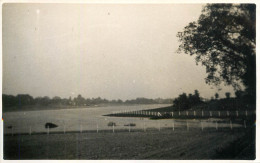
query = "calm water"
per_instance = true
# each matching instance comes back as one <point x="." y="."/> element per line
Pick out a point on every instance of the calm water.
<point x="76" y="119"/>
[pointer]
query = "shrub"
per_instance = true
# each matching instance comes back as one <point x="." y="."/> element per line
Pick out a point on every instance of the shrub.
<point x="111" y="124"/>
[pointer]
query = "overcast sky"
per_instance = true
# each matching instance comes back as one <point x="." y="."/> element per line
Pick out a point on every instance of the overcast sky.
<point x="99" y="50"/>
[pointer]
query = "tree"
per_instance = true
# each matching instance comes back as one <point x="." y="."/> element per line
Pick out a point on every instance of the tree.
<point x="24" y="99"/>
<point x="42" y="100"/>
<point x="181" y="102"/>
<point x="56" y="100"/>
<point x="223" y="40"/>
<point x="185" y="102"/>
<point x="79" y="101"/>
<point x="9" y="100"/>
<point x="197" y="96"/>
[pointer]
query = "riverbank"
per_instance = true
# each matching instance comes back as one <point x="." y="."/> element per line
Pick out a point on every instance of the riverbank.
<point x="59" y="107"/>
<point x="138" y="145"/>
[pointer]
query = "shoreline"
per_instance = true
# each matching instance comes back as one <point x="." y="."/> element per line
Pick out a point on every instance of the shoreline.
<point x="40" y="108"/>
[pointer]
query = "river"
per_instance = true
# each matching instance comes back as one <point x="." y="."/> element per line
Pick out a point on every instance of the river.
<point x="76" y="119"/>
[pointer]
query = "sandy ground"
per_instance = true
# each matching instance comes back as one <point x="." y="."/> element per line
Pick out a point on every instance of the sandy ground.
<point x="138" y="145"/>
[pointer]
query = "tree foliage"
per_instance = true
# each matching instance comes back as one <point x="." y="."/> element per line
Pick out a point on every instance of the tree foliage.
<point x="223" y="40"/>
<point x="184" y="102"/>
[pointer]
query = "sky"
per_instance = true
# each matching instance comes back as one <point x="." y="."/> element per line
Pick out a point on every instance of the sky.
<point x="113" y="51"/>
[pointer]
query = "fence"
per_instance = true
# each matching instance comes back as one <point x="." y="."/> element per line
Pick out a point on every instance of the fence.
<point x="185" y="114"/>
<point x="159" y="126"/>
<point x="244" y="116"/>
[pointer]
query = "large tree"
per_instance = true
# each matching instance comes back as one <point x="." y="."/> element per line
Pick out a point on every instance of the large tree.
<point x="223" y="40"/>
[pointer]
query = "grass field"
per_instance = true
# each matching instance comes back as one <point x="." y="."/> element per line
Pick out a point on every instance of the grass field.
<point x="138" y="145"/>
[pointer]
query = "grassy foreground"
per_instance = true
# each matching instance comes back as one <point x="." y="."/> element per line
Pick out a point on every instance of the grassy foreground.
<point x="136" y="145"/>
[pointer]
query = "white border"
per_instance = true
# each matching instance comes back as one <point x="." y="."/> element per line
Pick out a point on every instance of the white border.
<point x="140" y="2"/>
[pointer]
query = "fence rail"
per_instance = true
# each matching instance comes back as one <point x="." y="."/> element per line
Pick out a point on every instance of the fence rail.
<point x="201" y="125"/>
<point x="187" y="113"/>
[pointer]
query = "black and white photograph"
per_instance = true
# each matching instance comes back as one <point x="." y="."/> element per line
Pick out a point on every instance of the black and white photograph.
<point x="129" y="81"/>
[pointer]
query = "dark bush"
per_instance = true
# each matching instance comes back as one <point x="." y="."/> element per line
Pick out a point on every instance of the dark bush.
<point x="50" y="125"/>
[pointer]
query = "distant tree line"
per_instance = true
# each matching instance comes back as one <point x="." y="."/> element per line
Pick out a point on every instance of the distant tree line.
<point x="26" y="100"/>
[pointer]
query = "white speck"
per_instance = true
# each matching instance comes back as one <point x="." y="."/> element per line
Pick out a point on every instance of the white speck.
<point x="38" y="11"/>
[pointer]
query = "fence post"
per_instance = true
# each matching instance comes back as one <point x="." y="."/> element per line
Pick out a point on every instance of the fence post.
<point x="187" y="113"/>
<point x="113" y="128"/>
<point x="202" y="113"/>
<point x="216" y="125"/>
<point x="231" y="125"/>
<point x="80" y="128"/>
<point x="210" y="112"/>
<point x="194" y="113"/>
<point x="227" y="113"/>
<point x="219" y="113"/>
<point x="237" y="113"/>
<point x="172" y="114"/>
